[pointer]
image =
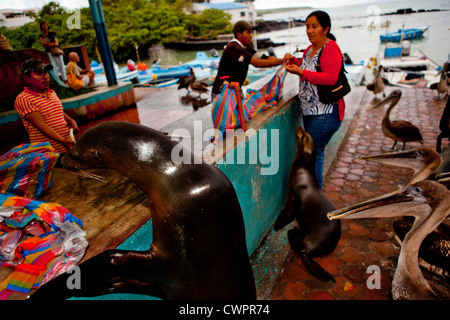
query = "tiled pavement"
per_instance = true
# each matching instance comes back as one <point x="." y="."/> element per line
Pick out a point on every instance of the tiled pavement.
<point x="364" y="242"/>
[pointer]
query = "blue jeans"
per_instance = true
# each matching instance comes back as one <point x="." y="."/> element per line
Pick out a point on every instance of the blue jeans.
<point x="321" y="128"/>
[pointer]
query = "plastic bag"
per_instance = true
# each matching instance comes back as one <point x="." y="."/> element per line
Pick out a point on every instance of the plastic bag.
<point x="224" y="110"/>
<point x="273" y="90"/>
<point x="39" y="240"/>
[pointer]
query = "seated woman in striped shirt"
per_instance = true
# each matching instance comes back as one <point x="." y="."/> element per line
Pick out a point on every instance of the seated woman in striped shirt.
<point x="41" y="110"/>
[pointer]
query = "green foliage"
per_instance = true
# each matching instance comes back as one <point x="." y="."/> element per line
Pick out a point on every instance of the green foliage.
<point x="128" y="23"/>
<point x="208" y="24"/>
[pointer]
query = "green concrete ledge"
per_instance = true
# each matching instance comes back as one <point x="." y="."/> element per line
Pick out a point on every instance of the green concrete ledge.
<point x="99" y="94"/>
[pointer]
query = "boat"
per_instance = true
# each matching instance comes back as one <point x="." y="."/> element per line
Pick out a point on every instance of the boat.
<point x="374" y="25"/>
<point x="168" y="72"/>
<point x="202" y="66"/>
<point x="157" y="83"/>
<point x="154" y="75"/>
<point x="355" y="72"/>
<point x="214" y="44"/>
<point x="418" y="61"/>
<point x="201" y="59"/>
<point x="404" y="34"/>
<point x="98" y="67"/>
<point x="408" y="70"/>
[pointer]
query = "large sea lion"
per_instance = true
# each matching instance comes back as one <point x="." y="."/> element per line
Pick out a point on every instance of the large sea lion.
<point x="315" y="235"/>
<point x="199" y="249"/>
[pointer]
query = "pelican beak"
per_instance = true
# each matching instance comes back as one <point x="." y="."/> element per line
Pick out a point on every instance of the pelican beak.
<point x="379" y="207"/>
<point x="413" y="153"/>
<point x="396" y="94"/>
<point x="444" y="178"/>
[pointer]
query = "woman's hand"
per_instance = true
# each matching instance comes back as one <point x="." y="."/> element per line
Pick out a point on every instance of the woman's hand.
<point x="293" y="68"/>
<point x="288" y="56"/>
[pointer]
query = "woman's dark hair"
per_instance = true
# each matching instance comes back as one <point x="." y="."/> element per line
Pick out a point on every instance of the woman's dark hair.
<point x="41" y="23"/>
<point x="324" y="21"/>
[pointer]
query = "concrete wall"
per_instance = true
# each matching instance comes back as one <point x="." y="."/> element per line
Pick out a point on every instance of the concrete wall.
<point x="261" y="187"/>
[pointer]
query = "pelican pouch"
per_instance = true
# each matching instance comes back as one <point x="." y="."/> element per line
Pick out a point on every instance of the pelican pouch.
<point x="332" y="94"/>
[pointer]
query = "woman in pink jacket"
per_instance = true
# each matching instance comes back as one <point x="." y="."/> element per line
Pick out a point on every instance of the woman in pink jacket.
<point x="320" y="120"/>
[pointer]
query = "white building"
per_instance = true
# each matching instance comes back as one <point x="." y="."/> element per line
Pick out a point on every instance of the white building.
<point x="239" y="9"/>
<point x="13" y="18"/>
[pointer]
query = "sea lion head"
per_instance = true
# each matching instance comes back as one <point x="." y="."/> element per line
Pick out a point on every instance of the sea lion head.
<point x="111" y="144"/>
<point x="306" y="147"/>
<point x="89" y="151"/>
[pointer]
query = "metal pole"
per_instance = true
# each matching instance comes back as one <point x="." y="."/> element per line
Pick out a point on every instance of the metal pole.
<point x="102" y="37"/>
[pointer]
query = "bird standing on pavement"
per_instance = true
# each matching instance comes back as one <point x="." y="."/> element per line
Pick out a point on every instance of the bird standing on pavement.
<point x="378" y="83"/>
<point x="442" y="85"/>
<point x="398" y="130"/>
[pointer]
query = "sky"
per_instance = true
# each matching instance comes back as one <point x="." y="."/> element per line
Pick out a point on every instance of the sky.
<point x="259" y="4"/>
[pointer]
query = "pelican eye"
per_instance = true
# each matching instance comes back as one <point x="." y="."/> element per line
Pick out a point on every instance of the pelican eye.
<point x="415" y="191"/>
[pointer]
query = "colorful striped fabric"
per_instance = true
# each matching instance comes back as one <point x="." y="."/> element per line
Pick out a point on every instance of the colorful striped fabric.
<point x="255" y="102"/>
<point x="273" y="89"/>
<point x="266" y="97"/>
<point x="26" y="169"/>
<point x="224" y="110"/>
<point x="51" y="110"/>
<point x="52" y="241"/>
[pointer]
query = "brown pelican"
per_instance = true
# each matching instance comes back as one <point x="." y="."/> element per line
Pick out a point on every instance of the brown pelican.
<point x="398" y="130"/>
<point x="427" y="164"/>
<point x="429" y="203"/>
<point x="200" y="87"/>
<point x="434" y="252"/>
<point x="196" y="102"/>
<point x="378" y="83"/>
<point x="183" y="82"/>
<point x="443" y="172"/>
<point x="442" y="85"/>
<point x="424" y="161"/>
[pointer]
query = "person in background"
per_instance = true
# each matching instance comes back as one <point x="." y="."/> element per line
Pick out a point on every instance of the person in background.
<point x="49" y="40"/>
<point x="320" y="120"/>
<point x="5" y="44"/>
<point x="78" y="78"/>
<point x="238" y="55"/>
<point x="41" y="110"/>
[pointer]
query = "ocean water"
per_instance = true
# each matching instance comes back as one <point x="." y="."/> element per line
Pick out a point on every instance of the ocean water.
<point x="349" y="24"/>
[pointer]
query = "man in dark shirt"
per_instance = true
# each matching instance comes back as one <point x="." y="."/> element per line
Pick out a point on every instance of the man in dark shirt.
<point x="237" y="56"/>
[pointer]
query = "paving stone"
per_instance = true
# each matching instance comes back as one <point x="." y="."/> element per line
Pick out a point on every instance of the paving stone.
<point x="357" y="230"/>
<point x="319" y="295"/>
<point x="352" y="256"/>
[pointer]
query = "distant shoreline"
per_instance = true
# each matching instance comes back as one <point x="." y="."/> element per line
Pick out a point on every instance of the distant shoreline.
<point x="265" y="26"/>
<point x="277" y="10"/>
<point x="410" y="10"/>
<point x="399" y="11"/>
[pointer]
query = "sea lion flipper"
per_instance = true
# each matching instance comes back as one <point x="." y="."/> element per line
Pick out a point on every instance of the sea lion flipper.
<point x="316" y="270"/>
<point x="282" y="220"/>
<point x="100" y="275"/>
<point x="286" y="215"/>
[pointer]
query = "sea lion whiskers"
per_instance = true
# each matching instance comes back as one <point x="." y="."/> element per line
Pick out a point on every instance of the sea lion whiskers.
<point x="90" y="175"/>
